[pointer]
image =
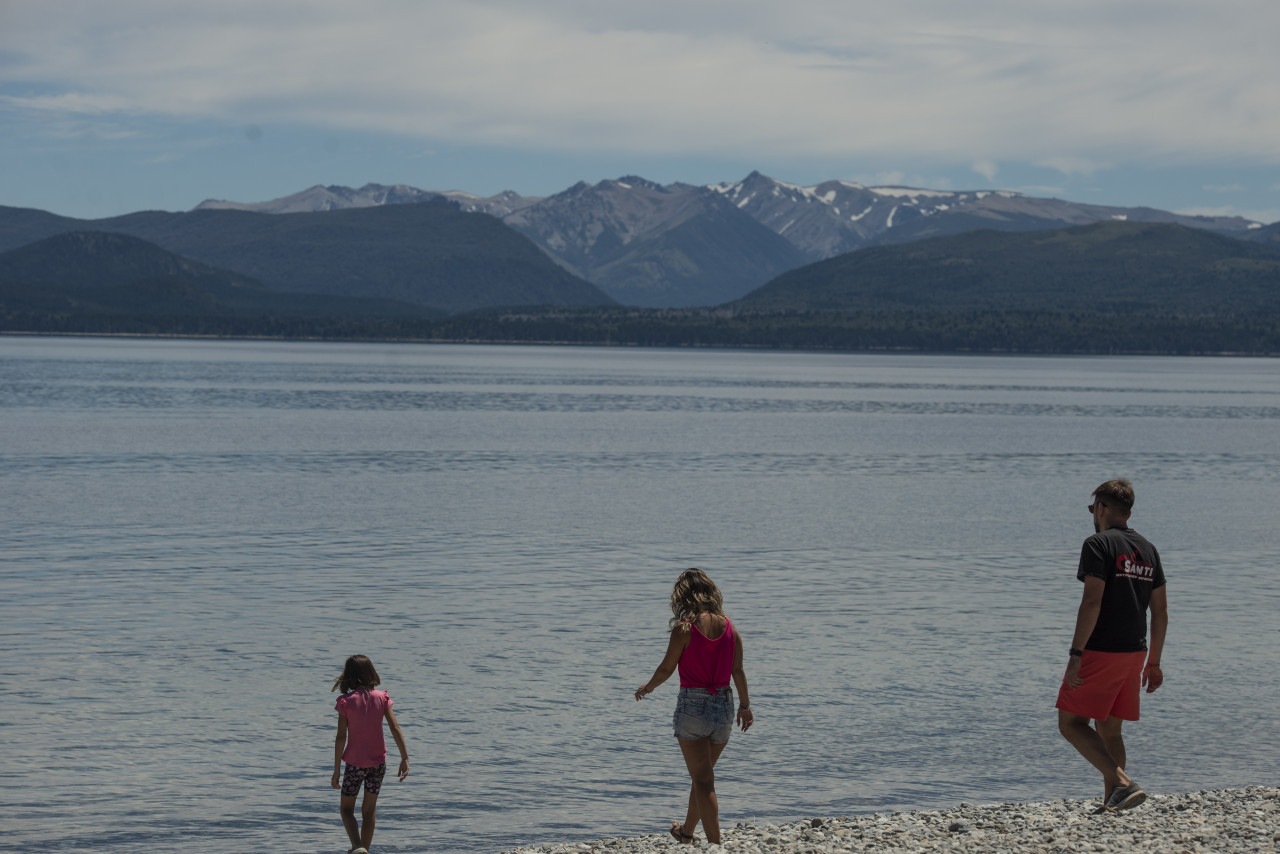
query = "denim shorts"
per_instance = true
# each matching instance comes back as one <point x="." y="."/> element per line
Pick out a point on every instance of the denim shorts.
<point x="701" y="714"/>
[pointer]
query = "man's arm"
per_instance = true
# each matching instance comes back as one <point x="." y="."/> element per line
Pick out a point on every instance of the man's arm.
<point x="1152" y="675"/>
<point x="1086" y="619"/>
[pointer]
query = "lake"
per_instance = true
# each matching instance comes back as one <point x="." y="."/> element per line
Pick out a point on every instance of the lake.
<point x="197" y="533"/>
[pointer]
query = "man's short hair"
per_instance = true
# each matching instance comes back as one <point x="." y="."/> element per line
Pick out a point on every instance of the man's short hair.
<point x="1118" y="492"/>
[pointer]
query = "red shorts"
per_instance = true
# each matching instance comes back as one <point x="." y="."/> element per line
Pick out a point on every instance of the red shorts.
<point x="1112" y="682"/>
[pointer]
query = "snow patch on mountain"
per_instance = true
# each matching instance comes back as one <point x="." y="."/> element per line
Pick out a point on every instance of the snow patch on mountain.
<point x="911" y="192"/>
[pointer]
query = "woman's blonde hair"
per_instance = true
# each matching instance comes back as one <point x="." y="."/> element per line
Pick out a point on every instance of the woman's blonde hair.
<point x="694" y="594"/>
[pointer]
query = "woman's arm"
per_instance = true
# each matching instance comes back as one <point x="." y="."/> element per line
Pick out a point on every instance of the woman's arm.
<point x="399" y="737"/>
<point x="745" y="716"/>
<point x="339" y="744"/>
<point x="675" y="647"/>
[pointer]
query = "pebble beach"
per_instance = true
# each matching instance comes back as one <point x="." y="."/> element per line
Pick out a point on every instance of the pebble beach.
<point x="1226" y="820"/>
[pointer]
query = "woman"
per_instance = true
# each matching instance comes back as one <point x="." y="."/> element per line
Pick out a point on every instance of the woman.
<point x="708" y="651"/>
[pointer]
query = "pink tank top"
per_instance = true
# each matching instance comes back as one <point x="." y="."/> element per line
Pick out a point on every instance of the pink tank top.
<point x="707" y="663"/>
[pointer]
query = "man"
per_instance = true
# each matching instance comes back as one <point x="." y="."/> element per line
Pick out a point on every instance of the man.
<point x="1109" y="658"/>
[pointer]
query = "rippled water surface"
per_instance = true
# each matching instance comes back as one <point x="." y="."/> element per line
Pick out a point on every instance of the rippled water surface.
<point x="195" y="534"/>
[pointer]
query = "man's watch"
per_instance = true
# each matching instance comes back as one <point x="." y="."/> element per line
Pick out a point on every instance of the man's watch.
<point x="1074" y="651"/>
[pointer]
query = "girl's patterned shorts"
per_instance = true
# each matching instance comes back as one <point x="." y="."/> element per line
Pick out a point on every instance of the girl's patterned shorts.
<point x="352" y="777"/>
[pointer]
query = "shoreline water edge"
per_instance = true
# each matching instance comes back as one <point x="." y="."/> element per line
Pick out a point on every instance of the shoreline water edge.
<point x="1224" y="820"/>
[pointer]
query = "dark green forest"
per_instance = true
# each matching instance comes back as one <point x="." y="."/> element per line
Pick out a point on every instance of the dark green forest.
<point x="926" y="331"/>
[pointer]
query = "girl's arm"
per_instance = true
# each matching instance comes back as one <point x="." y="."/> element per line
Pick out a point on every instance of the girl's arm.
<point x="339" y="744"/>
<point x="745" y="716"/>
<point x="675" y="647"/>
<point x="399" y="737"/>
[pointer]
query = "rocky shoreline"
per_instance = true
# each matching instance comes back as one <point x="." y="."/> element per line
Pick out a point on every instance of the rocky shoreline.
<point x="1226" y="820"/>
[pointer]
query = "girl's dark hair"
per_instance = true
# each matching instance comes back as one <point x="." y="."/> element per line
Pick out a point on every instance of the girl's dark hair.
<point x="357" y="673"/>
<point x="694" y="594"/>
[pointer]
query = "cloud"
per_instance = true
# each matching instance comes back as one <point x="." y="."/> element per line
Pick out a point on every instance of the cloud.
<point x="1041" y="190"/>
<point x="1073" y="165"/>
<point x="165" y="157"/>
<point x="68" y="103"/>
<point x="986" y="169"/>
<point x="986" y="81"/>
<point x="884" y="179"/>
<point x="1223" y="188"/>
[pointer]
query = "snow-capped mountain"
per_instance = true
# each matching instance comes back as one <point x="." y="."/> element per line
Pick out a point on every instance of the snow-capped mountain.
<point x="321" y="198"/>
<point x="835" y="217"/>
<point x="658" y="246"/>
<point x="676" y="245"/>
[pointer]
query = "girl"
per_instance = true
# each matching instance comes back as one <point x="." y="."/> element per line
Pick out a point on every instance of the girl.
<point x="360" y="713"/>
<point x="707" y="650"/>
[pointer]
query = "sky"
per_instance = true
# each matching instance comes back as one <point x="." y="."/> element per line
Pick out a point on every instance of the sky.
<point x="109" y="108"/>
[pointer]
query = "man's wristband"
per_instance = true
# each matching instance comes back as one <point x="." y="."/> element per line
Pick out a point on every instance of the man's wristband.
<point x="744" y="708"/>
<point x="1074" y="651"/>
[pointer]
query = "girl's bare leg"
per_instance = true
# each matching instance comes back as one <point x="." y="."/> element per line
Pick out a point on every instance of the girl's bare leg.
<point x="367" y="809"/>
<point x="347" y="806"/>
<point x="700" y="757"/>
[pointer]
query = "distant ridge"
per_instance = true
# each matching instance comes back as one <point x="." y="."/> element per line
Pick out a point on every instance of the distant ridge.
<point x="320" y="198"/>
<point x="836" y="217"/>
<point x="649" y="245"/>
<point x="1137" y="288"/>
<point x="431" y="254"/>
<point x="683" y="245"/>
<point x="638" y="242"/>
<point x="1119" y="267"/>
<point x="97" y="273"/>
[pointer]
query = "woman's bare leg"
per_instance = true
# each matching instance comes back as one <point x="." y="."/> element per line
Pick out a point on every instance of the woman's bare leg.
<point x="700" y="757"/>
<point x="693" y="816"/>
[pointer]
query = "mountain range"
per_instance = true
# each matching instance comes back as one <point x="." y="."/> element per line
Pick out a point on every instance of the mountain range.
<point x="1107" y="287"/>
<point x="628" y="241"/>
<point x="1122" y="269"/>
<point x="103" y="275"/>
<point x="681" y="245"/>
<point x="429" y="254"/>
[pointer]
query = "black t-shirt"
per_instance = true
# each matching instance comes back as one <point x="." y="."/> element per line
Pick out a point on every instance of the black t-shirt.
<point x="1131" y="568"/>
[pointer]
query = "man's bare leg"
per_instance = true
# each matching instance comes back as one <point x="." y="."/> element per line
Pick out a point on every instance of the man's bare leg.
<point x="1076" y="729"/>
<point x="1109" y="730"/>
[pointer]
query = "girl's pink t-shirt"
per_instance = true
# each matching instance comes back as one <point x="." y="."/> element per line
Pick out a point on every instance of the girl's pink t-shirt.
<point x="707" y="663"/>
<point x="363" y="710"/>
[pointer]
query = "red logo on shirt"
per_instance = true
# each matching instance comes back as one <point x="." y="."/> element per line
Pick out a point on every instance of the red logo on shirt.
<point x="1133" y="566"/>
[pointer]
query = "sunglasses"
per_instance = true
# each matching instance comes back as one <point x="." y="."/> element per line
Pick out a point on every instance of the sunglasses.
<point x="1096" y="503"/>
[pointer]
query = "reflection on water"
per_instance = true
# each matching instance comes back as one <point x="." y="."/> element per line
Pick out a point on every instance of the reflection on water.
<point x="197" y="533"/>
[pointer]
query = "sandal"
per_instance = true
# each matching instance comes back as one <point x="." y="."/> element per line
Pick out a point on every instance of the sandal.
<point x="678" y="834"/>
<point x="1125" y="797"/>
